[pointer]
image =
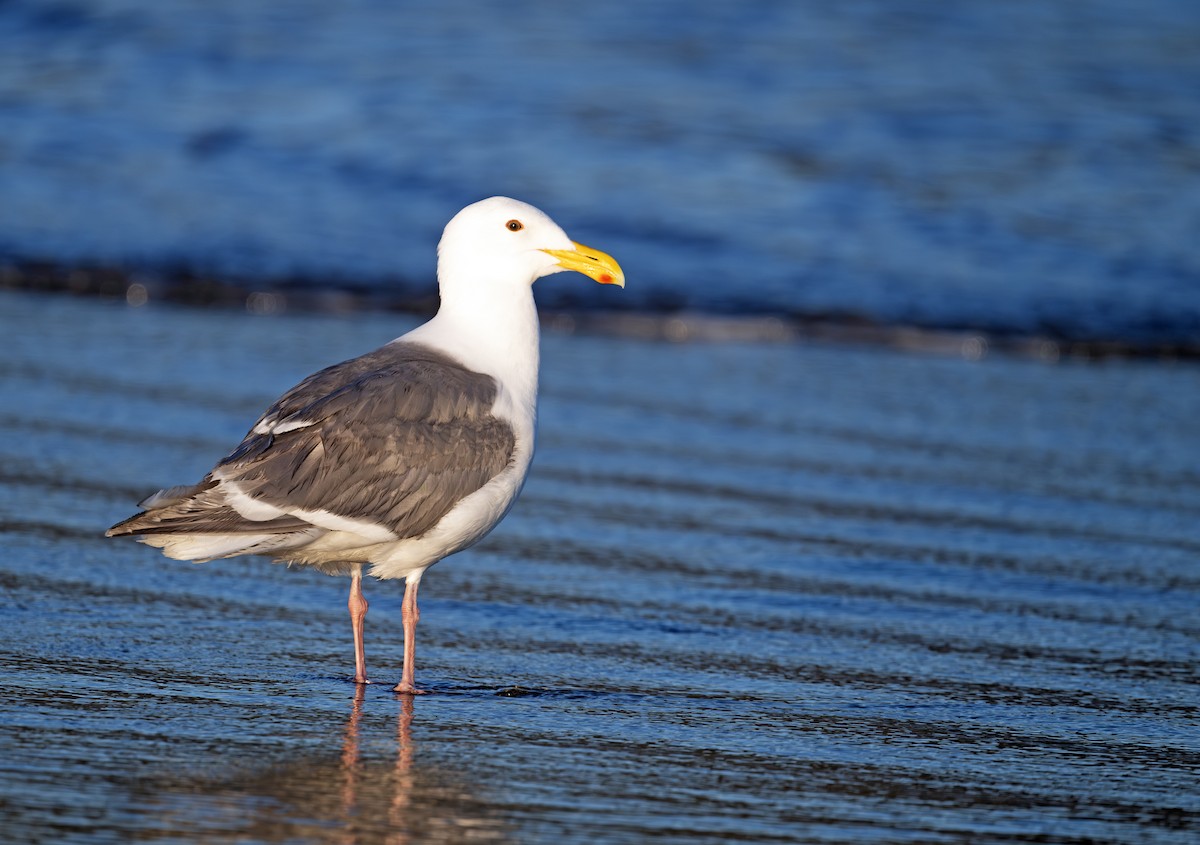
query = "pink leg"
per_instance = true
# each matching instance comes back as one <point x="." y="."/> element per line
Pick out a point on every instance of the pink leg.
<point x="410" y="616"/>
<point x="358" y="612"/>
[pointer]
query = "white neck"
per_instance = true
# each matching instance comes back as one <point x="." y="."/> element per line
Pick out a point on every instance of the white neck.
<point x="489" y="329"/>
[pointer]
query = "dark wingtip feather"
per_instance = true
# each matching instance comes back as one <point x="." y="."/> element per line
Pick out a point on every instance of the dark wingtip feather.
<point x="125" y="527"/>
<point x="142" y="522"/>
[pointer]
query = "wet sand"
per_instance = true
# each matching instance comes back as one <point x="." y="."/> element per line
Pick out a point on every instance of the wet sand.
<point x="762" y="592"/>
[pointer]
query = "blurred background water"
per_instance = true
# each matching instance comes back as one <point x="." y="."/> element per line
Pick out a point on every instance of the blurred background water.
<point x="1025" y="167"/>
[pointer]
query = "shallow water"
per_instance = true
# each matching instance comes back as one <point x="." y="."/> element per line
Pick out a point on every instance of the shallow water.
<point x="1009" y="167"/>
<point x="752" y="593"/>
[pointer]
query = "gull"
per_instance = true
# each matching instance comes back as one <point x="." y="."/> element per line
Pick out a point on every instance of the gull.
<point x="402" y="456"/>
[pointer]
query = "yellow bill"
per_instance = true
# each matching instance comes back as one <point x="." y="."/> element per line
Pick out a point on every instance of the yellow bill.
<point x="591" y="262"/>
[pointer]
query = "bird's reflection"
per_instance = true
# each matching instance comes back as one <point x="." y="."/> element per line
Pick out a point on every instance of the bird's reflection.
<point x="402" y="795"/>
<point x="360" y="797"/>
<point x="403" y="783"/>
<point x="350" y="756"/>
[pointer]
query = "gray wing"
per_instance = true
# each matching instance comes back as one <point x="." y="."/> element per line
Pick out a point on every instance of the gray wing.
<point x="395" y="437"/>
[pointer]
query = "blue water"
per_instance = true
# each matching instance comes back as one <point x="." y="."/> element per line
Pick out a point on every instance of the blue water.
<point x="752" y="592"/>
<point x="1012" y="167"/>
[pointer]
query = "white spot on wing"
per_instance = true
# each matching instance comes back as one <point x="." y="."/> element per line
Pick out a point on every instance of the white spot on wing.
<point x="372" y="532"/>
<point x="274" y="427"/>
<point x="258" y="511"/>
<point x="292" y="425"/>
<point x="247" y="506"/>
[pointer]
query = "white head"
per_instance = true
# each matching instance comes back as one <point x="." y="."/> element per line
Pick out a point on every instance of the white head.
<point x="488" y="259"/>
<point x="503" y="243"/>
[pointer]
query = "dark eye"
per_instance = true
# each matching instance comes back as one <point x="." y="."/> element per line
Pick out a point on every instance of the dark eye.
<point x="515" y="225"/>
